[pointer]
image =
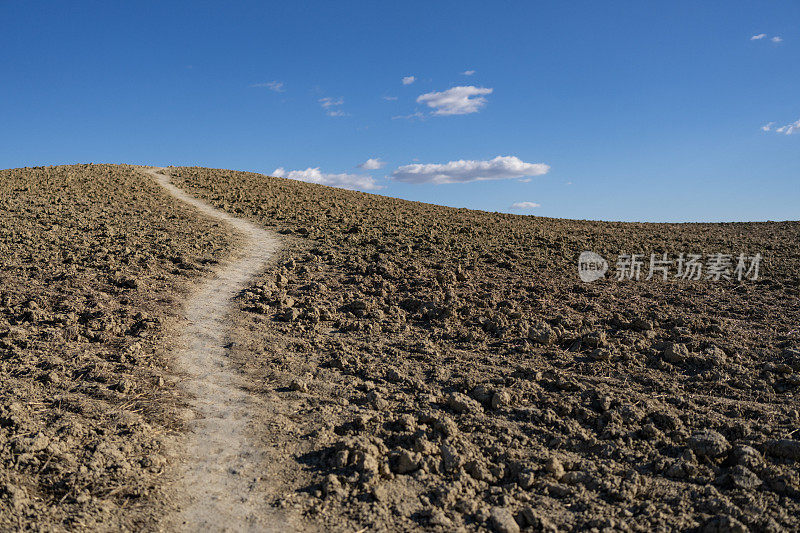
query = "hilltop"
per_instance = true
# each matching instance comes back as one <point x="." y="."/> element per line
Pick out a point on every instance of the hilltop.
<point x="420" y="366"/>
<point x="452" y="370"/>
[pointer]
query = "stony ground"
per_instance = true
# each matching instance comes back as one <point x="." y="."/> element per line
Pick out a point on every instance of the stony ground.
<point x="445" y="369"/>
<point x="94" y="260"/>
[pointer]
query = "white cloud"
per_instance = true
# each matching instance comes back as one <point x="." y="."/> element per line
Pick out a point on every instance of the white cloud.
<point x="525" y="180"/>
<point x="345" y="181"/>
<point x="330" y="102"/>
<point x="456" y="100"/>
<point x="276" y="86"/>
<point x="418" y="115"/>
<point x="501" y="167"/>
<point x="523" y="206"/>
<point x="468" y="72"/>
<point x="372" y="164"/>
<point x="390" y="98"/>
<point x="760" y="36"/>
<point x="330" y="106"/>
<point x="408" y="80"/>
<point x="788" y="129"/>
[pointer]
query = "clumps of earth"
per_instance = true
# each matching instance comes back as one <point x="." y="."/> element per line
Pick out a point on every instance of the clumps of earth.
<point x="445" y="369"/>
<point x="93" y="262"/>
<point x="422" y="367"/>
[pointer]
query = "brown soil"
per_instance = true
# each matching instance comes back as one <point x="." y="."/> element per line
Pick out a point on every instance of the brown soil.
<point x="220" y="466"/>
<point x="431" y="368"/>
<point x="94" y="263"/>
<point x="409" y="366"/>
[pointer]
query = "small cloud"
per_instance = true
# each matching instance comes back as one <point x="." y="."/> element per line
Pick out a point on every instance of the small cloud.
<point x="456" y="100"/>
<point x="372" y="164"/>
<point x="468" y="72"/>
<point x="569" y="183"/>
<point x="761" y="36"/>
<point x="330" y="102"/>
<point x="330" y="106"/>
<point x="408" y="80"/>
<point x="344" y="181"/>
<point x="463" y="171"/>
<point x="276" y="86"/>
<point x="525" y="180"/>
<point x="413" y="116"/>
<point x="390" y="98"/>
<point x="788" y="129"/>
<point x="524" y="206"/>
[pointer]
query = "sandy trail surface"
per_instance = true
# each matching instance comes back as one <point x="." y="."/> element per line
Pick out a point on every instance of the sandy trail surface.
<point x="219" y="488"/>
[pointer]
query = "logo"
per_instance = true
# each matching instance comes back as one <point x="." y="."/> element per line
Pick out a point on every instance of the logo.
<point x="591" y="266"/>
<point x="716" y="267"/>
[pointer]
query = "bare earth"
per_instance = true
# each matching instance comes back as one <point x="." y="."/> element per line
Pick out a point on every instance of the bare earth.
<point x="448" y="371"/>
<point x="392" y="366"/>
<point x="221" y="465"/>
<point x="95" y="264"/>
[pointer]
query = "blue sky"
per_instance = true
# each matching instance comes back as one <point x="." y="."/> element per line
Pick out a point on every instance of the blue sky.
<point x="614" y="110"/>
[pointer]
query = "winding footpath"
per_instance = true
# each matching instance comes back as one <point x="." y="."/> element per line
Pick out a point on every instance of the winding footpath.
<point x="220" y="471"/>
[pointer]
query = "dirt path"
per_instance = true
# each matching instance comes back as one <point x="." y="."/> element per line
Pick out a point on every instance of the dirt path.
<point x="220" y="475"/>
